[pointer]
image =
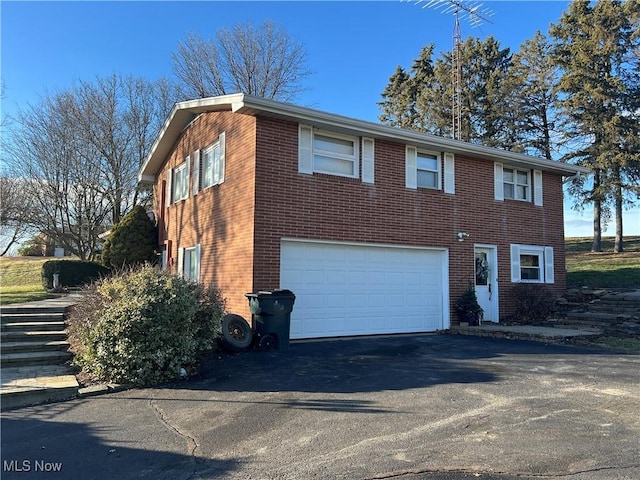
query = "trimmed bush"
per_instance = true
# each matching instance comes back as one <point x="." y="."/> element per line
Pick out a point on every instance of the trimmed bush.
<point x="143" y="326"/>
<point x="132" y="241"/>
<point x="534" y="302"/>
<point x="73" y="273"/>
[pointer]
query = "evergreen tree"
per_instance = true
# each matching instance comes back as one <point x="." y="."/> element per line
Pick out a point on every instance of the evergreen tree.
<point x="132" y="241"/>
<point x="428" y="91"/>
<point x="397" y="107"/>
<point x="592" y="44"/>
<point x="400" y="97"/>
<point x="533" y="77"/>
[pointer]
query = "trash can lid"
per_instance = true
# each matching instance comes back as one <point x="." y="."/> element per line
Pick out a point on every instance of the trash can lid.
<point x="274" y="292"/>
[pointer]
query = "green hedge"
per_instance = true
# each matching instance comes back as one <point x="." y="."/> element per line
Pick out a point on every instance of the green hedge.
<point x="73" y="273"/>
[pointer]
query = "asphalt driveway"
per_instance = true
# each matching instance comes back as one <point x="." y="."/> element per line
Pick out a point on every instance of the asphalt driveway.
<point x="425" y="407"/>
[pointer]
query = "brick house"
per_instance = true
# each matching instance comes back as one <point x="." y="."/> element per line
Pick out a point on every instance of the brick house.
<point x="375" y="229"/>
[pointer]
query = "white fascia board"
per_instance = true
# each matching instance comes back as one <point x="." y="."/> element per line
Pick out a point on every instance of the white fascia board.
<point x="182" y="114"/>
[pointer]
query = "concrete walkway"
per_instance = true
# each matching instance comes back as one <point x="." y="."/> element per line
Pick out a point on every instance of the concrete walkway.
<point x="523" y="332"/>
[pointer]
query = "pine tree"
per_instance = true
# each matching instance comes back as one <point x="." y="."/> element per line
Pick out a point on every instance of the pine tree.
<point x="397" y="107"/>
<point x="132" y="241"/>
<point x="591" y="47"/>
<point x="426" y="95"/>
<point x="533" y="77"/>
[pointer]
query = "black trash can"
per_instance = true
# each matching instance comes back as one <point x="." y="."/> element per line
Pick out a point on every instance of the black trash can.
<point x="271" y="314"/>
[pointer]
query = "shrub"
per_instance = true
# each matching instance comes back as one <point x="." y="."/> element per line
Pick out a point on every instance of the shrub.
<point x="132" y="241"/>
<point x="534" y="302"/>
<point x="142" y="326"/>
<point x="468" y="308"/>
<point x="73" y="273"/>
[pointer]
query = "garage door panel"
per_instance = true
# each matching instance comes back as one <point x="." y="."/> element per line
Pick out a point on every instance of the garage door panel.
<point x="361" y="289"/>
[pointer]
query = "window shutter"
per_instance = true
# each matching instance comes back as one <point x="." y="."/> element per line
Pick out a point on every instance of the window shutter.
<point x="197" y="267"/>
<point x="222" y="140"/>
<point x="549" y="276"/>
<point x="537" y="187"/>
<point x="305" y="149"/>
<point x="188" y="176"/>
<point x="449" y="173"/>
<point x="169" y="192"/>
<point x="498" y="185"/>
<point x="368" y="160"/>
<point x="180" y="261"/>
<point x="515" y="263"/>
<point x="411" y="167"/>
<point x="196" y="172"/>
<point x="169" y="254"/>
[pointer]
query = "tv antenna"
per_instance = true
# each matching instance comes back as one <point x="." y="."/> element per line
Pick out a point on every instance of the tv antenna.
<point x="475" y="14"/>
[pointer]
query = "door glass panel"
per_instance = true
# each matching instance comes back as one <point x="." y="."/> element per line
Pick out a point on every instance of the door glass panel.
<point x="482" y="268"/>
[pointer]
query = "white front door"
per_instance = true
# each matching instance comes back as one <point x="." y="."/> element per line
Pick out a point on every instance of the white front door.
<point x="487" y="280"/>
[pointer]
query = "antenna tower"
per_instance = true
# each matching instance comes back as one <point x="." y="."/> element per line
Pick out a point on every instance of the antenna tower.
<point x="475" y="14"/>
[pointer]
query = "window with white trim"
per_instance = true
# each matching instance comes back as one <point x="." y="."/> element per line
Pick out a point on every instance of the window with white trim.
<point x="335" y="154"/>
<point x="516" y="184"/>
<point x="211" y="166"/>
<point x="532" y="264"/>
<point x="212" y="163"/>
<point x="189" y="263"/>
<point x="424" y="169"/>
<point x="180" y="182"/>
<point x="428" y="169"/>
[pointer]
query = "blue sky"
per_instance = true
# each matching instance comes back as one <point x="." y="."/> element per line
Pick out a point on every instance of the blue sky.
<point x="353" y="47"/>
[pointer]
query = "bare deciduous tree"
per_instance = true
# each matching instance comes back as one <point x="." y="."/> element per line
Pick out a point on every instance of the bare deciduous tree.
<point x="264" y="61"/>
<point x="15" y="213"/>
<point x="79" y="152"/>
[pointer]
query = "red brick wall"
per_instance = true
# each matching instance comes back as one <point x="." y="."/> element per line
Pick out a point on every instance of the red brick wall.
<point x="289" y="204"/>
<point x="241" y="222"/>
<point x="220" y="218"/>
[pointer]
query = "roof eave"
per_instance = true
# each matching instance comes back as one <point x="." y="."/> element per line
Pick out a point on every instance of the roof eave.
<point x="184" y="112"/>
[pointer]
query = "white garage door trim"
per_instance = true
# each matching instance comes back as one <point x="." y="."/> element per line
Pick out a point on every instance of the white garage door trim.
<point x="346" y="288"/>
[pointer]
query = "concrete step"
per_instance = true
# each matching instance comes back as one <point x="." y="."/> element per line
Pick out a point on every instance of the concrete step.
<point x="31" y="317"/>
<point x="32" y="336"/>
<point x="27" y="309"/>
<point x="33" y="326"/>
<point x="24" y="386"/>
<point x="23" y="359"/>
<point x="34" y="347"/>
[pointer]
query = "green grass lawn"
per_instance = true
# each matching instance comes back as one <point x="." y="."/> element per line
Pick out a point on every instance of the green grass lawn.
<point x="605" y="269"/>
<point x="20" y="279"/>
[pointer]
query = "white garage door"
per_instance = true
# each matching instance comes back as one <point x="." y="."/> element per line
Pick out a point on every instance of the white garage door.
<point x="345" y="289"/>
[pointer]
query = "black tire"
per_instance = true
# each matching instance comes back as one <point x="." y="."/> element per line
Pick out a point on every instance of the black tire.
<point x="236" y="332"/>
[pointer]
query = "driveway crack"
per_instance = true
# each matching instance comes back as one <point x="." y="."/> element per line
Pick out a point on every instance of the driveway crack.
<point x="192" y="442"/>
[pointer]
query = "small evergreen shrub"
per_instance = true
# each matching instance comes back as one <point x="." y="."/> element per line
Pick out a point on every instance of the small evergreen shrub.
<point x="534" y="302"/>
<point x="132" y="241"/>
<point x="143" y="326"/>
<point x="468" y="308"/>
<point x="73" y="273"/>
